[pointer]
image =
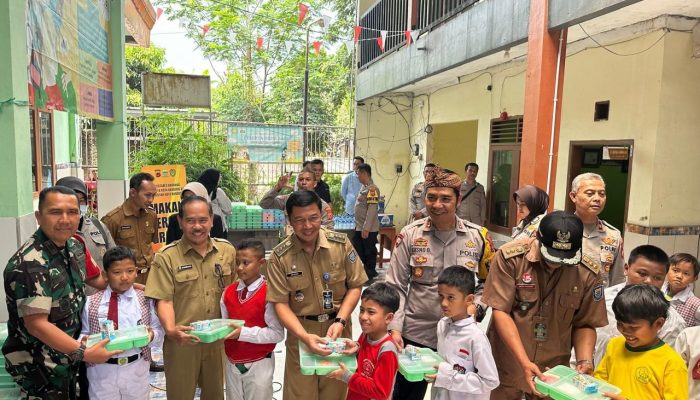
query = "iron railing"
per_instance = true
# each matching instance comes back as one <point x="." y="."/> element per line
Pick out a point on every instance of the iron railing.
<point x="393" y="16"/>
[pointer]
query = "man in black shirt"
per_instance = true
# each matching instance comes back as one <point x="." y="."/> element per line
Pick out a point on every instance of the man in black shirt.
<point x="322" y="189"/>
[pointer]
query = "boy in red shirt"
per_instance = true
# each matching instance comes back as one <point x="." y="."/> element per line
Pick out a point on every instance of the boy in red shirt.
<point x="249" y="349"/>
<point x="377" y="357"/>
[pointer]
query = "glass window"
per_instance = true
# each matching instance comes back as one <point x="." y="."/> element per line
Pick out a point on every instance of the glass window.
<point x="32" y="131"/>
<point x="47" y="175"/>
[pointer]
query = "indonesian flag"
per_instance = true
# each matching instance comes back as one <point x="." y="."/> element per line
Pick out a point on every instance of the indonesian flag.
<point x="317" y="47"/>
<point x="260" y="42"/>
<point x="303" y="9"/>
<point x="358" y="32"/>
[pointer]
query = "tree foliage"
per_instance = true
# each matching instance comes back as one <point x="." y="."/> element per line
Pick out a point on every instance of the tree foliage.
<point x="172" y="140"/>
<point x="139" y="60"/>
<point x="266" y="85"/>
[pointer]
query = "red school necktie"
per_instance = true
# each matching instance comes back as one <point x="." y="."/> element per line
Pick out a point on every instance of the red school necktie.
<point x="113" y="311"/>
<point x="245" y="293"/>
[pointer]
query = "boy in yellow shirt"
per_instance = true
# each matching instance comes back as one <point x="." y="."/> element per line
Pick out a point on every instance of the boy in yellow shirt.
<point x="638" y="362"/>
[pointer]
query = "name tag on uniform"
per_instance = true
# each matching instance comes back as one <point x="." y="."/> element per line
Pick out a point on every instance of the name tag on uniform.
<point x="184" y="267"/>
<point x="294" y="274"/>
<point x="124" y="227"/>
<point x="95" y="233"/>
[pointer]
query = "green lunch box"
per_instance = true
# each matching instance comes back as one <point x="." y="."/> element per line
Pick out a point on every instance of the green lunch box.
<point x="127" y="339"/>
<point x="220" y="328"/>
<point x="415" y="370"/>
<point x="314" y="364"/>
<point x="559" y="385"/>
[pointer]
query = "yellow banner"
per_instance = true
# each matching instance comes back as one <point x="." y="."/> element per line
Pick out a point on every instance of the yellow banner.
<point x="170" y="179"/>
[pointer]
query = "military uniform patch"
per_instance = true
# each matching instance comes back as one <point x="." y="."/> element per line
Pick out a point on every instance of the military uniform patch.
<point x="352" y="256"/>
<point x="336" y="237"/>
<point x="609" y="241"/>
<point x="399" y="239"/>
<point x="598" y="292"/>
<point x="510" y="252"/>
<point x="420" y="242"/>
<point x="283" y="247"/>
<point x="590" y="263"/>
<point x="418" y="272"/>
<point x="421" y="260"/>
<point x="372" y="195"/>
<point x="470" y="244"/>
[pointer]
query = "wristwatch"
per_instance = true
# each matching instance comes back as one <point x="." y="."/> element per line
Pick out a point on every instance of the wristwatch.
<point x="341" y="321"/>
<point x="77" y="354"/>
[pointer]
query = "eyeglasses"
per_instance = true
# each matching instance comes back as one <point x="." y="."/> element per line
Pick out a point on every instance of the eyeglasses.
<point x="220" y="275"/>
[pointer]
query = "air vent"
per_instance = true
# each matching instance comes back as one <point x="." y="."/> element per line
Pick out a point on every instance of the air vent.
<point x="509" y="131"/>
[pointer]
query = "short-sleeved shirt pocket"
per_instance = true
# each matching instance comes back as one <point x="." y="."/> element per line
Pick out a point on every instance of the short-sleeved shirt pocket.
<point x="422" y="269"/>
<point x="187" y="282"/>
<point x="298" y="280"/>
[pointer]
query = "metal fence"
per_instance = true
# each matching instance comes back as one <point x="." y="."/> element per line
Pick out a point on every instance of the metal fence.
<point x="332" y="144"/>
<point x="392" y="16"/>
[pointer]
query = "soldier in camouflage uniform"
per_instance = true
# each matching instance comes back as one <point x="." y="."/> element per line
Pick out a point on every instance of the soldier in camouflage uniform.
<point x="44" y="287"/>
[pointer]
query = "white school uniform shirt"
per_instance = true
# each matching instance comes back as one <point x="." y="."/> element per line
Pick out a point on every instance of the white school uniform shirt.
<point x="672" y="328"/>
<point x="465" y="349"/>
<point x="688" y="346"/>
<point x="129" y="315"/>
<point x="273" y="333"/>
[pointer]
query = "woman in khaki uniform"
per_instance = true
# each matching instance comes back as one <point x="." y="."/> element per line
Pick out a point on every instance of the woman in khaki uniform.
<point x="314" y="280"/>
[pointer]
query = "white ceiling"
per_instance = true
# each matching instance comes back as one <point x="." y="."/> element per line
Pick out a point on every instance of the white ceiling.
<point x="630" y="15"/>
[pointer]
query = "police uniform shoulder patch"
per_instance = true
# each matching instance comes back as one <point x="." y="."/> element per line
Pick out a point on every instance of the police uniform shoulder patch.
<point x="608" y="226"/>
<point x="283" y="247"/>
<point x="336" y="237"/>
<point x="515" y="249"/>
<point x="590" y="263"/>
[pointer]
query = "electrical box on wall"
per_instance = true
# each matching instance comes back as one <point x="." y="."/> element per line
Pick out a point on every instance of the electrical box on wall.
<point x="399" y="168"/>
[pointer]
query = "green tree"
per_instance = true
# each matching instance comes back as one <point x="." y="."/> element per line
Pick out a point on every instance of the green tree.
<point x="172" y="140"/>
<point x="139" y="60"/>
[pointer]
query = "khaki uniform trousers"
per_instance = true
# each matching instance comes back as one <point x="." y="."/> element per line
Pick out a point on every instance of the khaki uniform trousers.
<point x="310" y="387"/>
<point x="187" y="367"/>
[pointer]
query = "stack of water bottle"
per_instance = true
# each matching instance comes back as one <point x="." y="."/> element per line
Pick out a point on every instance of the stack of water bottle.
<point x="272" y="219"/>
<point x="344" y="222"/>
<point x="8" y="388"/>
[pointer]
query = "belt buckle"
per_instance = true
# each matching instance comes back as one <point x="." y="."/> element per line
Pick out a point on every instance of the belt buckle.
<point x="323" y="318"/>
<point x="122" y="361"/>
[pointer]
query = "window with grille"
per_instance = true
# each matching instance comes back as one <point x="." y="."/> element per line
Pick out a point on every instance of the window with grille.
<point x="503" y="173"/>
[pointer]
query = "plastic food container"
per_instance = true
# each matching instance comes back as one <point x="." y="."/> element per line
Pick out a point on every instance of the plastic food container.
<point x="415" y="370"/>
<point x="125" y="339"/>
<point x="313" y="364"/>
<point x="563" y="383"/>
<point x="216" y="329"/>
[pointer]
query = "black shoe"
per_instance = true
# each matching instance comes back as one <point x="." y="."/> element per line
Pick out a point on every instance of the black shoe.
<point x="156" y="367"/>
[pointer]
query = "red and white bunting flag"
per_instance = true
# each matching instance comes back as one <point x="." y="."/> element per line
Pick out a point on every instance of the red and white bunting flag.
<point x="303" y="9"/>
<point x="414" y="35"/>
<point x="381" y="40"/>
<point x="205" y="29"/>
<point x="159" y="12"/>
<point x="260" y="42"/>
<point x="358" y="32"/>
<point x="408" y="38"/>
<point x="317" y="47"/>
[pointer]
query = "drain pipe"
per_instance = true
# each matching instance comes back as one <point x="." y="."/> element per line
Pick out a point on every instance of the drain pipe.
<point x="554" y="113"/>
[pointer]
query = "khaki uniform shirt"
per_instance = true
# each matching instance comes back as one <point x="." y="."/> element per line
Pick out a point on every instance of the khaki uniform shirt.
<point x="473" y="207"/>
<point x="192" y="282"/>
<point x="417" y="201"/>
<point x="297" y="278"/>
<point x="603" y="242"/>
<point x="546" y="305"/>
<point x="135" y="230"/>
<point x="529" y="230"/>
<point x="366" y="208"/>
<point x="273" y="199"/>
<point x="420" y="254"/>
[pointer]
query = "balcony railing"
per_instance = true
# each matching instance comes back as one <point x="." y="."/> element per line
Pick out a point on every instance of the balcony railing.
<point x="393" y="16"/>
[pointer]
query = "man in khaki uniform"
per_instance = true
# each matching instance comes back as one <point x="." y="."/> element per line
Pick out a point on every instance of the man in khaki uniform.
<point x="187" y="279"/>
<point x="306" y="180"/>
<point x="423" y="249"/>
<point x="367" y="221"/>
<point x="472" y="197"/>
<point x="314" y="280"/>
<point x="416" y="204"/>
<point x="134" y="224"/>
<point x="601" y="240"/>
<point x="545" y="297"/>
